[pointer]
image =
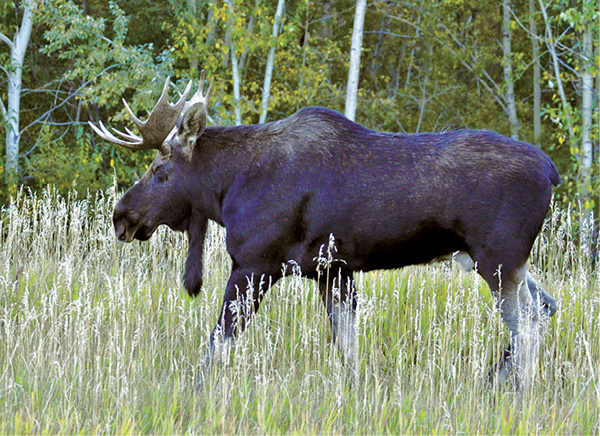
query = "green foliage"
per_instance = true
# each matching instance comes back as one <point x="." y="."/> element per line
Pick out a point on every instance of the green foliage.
<point x="67" y="167"/>
<point x="305" y="63"/>
<point x="425" y="66"/>
<point x="570" y="19"/>
<point x="111" y="69"/>
<point x="110" y="65"/>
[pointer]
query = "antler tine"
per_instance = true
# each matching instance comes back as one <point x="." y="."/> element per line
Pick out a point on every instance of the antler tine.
<point x="210" y="87"/>
<point x="96" y="129"/>
<point x="164" y="95"/>
<point x="183" y="97"/>
<point x="135" y="119"/>
<point x="162" y="119"/>
<point x="129" y="135"/>
<point x="199" y="96"/>
<point x="201" y="83"/>
<point x="104" y="133"/>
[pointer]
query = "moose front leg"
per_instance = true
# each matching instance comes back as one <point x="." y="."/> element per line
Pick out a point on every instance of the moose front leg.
<point x="192" y="277"/>
<point x="243" y="294"/>
<point x="340" y="299"/>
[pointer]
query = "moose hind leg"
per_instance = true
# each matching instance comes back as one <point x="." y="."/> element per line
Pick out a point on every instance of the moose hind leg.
<point x="526" y="327"/>
<point x="339" y="297"/>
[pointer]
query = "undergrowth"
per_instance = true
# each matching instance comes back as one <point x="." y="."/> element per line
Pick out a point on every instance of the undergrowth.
<point x="100" y="337"/>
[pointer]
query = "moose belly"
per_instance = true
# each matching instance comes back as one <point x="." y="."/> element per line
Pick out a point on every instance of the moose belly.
<point x="376" y="248"/>
<point x="395" y="251"/>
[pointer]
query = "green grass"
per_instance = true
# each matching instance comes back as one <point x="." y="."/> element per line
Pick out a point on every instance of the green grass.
<point x="100" y="337"/>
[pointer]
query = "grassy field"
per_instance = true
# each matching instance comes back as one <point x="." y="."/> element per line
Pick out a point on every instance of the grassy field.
<point x="100" y="337"/>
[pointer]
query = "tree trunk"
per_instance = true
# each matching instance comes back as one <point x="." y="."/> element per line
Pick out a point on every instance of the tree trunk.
<point x="236" y="84"/>
<point x="508" y="73"/>
<point x="18" y="47"/>
<point x="234" y="72"/>
<point x="194" y="61"/>
<point x="376" y="62"/>
<point x="537" y="91"/>
<point x="270" y="61"/>
<point x="243" y="59"/>
<point x="586" y="160"/>
<point x="357" y="35"/>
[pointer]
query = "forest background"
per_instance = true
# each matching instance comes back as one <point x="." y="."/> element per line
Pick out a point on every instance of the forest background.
<point x="526" y="68"/>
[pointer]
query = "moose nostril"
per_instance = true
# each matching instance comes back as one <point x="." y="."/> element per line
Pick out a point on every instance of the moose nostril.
<point x="121" y="235"/>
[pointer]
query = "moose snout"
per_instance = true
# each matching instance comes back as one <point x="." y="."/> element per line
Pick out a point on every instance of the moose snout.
<point x="122" y="221"/>
<point x="121" y="232"/>
<point x="130" y="224"/>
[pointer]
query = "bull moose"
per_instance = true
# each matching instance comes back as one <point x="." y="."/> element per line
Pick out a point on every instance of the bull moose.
<point x="284" y="188"/>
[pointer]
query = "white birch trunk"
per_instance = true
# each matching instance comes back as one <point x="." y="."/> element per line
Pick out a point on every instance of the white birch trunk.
<point x="508" y="72"/>
<point x="235" y="73"/>
<point x="270" y="61"/>
<point x="537" y="91"/>
<point x="236" y="85"/>
<point x="586" y="162"/>
<point x="18" y="47"/>
<point x="355" y="50"/>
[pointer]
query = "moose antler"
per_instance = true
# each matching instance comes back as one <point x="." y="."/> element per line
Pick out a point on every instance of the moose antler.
<point x="155" y="129"/>
<point x="198" y="97"/>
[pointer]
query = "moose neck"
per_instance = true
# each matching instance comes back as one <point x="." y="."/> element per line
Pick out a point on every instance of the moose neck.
<point x="222" y="154"/>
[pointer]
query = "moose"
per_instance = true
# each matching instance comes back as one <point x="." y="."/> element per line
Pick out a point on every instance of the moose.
<point x="283" y="190"/>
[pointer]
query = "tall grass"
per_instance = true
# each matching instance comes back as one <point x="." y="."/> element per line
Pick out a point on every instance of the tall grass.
<point x="100" y="337"/>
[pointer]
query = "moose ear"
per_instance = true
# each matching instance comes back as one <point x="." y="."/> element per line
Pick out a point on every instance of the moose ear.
<point x="191" y="127"/>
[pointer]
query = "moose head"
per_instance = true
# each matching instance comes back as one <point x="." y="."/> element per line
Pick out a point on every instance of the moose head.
<point x="173" y="130"/>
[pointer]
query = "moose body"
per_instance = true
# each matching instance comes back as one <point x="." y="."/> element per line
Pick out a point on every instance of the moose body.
<point x="287" y="189"/>
<point x="390" y="200"/>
